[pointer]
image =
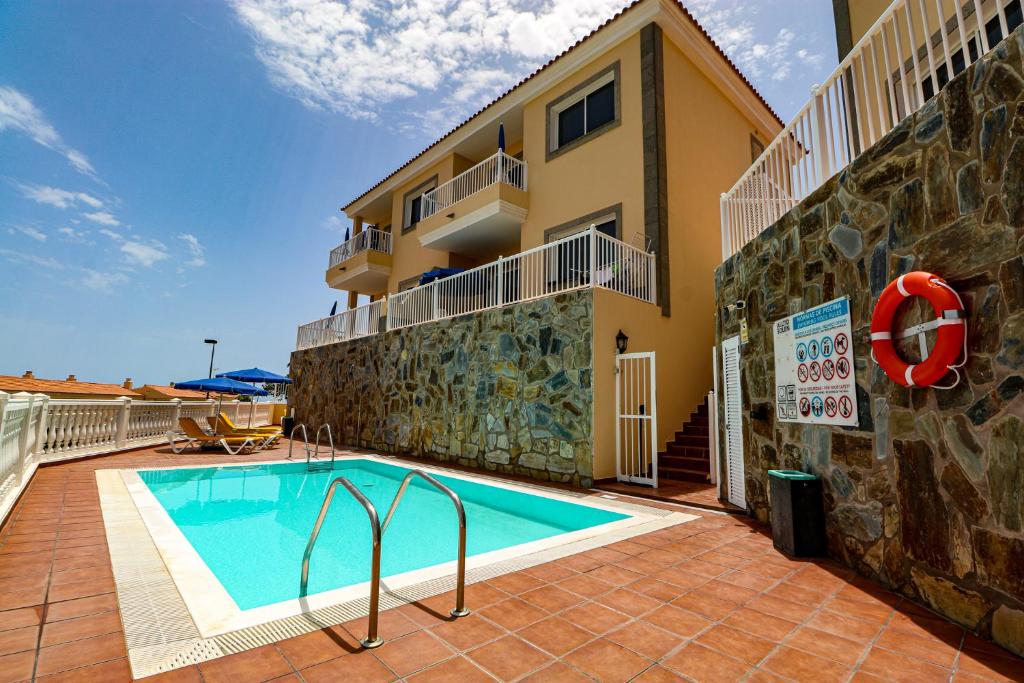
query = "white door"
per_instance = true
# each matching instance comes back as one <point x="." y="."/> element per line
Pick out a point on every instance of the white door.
<point x="636" y="419"/>
<point x="733" y="415"/>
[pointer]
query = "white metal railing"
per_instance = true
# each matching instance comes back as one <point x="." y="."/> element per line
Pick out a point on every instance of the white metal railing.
<point x="586" y="259"/>
<point x="368" y="239"/>
<point x="888" y="75"/>
<point x="361" y="321"/>
<point x="500" y="168"/>
<point x="35" y="429"/>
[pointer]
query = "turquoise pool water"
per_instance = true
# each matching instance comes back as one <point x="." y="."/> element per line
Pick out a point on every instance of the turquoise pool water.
<point x="250" y="524"/>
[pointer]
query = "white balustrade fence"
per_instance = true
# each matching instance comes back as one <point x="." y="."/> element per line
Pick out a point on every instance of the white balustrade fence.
<point x="500" y="168"/>
<point x="888" y="75"/>
<point x="361" y="321"/>
<point x="368" y="239"/>
<point x="36" y="429"/>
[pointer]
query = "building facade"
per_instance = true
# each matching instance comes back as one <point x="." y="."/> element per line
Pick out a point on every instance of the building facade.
<point x="631" y="134"/>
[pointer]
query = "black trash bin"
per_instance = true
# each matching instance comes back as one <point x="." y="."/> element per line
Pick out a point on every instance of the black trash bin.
<point x="798" y="518"/>
<point x="287" y="422"/>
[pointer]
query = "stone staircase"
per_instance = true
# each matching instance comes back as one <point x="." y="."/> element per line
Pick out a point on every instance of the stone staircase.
<point x="688" y="458"/>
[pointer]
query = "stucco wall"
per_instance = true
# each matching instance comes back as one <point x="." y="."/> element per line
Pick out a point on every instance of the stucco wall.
<point x="926" y="495"/>
<point x="506" y="390"/>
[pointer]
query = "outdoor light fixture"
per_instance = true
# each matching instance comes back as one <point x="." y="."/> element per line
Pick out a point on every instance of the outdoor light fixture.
<point x="213" y="347"/>
<point x="620" y="342"/>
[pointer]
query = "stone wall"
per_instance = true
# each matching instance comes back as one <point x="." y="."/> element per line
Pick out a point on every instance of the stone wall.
<point x="927" y="495"/>
<point x="507" y="389"/>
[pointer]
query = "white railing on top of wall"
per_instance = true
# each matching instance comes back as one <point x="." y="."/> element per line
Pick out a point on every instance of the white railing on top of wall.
<point x="889" y="74"/>
<point x="356" y="322"/>
<point x="500" y="168"/>
<point x="586" y="259"/>
<point x="368" y="239"/>
<point x="35" y="429"/>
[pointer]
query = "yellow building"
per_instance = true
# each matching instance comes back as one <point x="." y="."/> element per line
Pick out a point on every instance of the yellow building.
<point x="636" y="130"/>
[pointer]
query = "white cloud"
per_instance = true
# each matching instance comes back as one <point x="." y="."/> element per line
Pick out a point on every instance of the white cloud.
<point x="195" y="249"/>
<point x="141" y="254"/>
<point x="31" y="259"/>
<point x="359" y="57"/>
<point x="28" y="231"/>
<point x="335" y="224"/>
<point x="72" y="235"/>
<point x="19" y="113"/>
<point x="734" y="26"/>
<point x="54" y="196"/>
<point x="116" y="236"/>
<point x="103" y="282"/>
<point x="103" y="218"/>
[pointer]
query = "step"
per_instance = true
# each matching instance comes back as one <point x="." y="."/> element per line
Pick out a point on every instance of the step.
<point x="682" y="474"/>
<point x="684" y="462"/>
<point x="692" y="451"/>
<point x="696" y="430"/>
<point x="695" y="440"/>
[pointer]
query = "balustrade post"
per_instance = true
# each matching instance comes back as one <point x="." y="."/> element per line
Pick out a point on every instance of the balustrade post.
<point x="41" y="427"/>
<point x="592" y="256"/>
<point x="822" y="165"/>
<point x="124" y="412"/>
<point x="501" y="159"/>
<point x="19" y="472"/>
<point x="177" y="414"/>
<point x="435" y="304"/>
<point x="501" y="282"/>
<point x="4" y="398"/>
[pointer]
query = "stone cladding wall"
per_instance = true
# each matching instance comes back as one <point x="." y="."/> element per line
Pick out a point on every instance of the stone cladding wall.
<point x="927" y="495"/>
<point x="507" y="390"/>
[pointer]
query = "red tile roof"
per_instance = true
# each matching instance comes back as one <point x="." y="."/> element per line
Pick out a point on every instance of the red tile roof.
<point x="171" y="392"/>
<point x="12" y="384"/>
<point x="554" y="59"/>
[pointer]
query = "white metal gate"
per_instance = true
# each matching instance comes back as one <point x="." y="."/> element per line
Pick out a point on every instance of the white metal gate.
<point x="636" y="418"/>
<point x="733" y="414"/>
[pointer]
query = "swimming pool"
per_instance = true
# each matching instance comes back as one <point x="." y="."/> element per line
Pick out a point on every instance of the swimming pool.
<point x="250" y="524"/>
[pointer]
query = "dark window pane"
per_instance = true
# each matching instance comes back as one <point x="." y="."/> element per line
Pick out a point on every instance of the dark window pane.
<point x="608" y="228"/>
<point x="570" y="123"/>
<point x="601" y="106"/>
<point x="414" y="210"/>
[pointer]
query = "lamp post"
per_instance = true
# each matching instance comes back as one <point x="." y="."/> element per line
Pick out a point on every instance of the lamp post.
<point x="213" y="347"/>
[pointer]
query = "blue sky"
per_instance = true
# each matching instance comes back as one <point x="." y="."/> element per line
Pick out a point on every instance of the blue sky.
<point x="171" y="171"/>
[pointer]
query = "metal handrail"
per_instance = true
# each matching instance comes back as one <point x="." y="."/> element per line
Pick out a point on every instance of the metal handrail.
<point x="305" y="440"/>
<point x="460" y="589"/>
<point x="330" y="440"/>
<point x="372" y="640"/>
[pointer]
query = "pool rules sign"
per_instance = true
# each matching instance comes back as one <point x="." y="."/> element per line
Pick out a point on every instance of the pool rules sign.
<point x="814" y="366"/>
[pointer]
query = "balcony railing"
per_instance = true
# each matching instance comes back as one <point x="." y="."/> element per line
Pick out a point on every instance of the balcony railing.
<point x="586" y="259"/>
<point x="888" y="75"/>
<point x="500" y="168"/>
<point x="368" y="239"/>
<point x="361" y="321"/>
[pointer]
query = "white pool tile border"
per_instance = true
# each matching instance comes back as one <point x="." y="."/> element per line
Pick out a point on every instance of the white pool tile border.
<point x="176" y="612"/>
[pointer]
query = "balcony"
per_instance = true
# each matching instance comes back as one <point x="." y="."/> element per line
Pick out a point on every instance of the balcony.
<point x="588" y="259"/>
<point x="478" y="209"/>
<point x="362" y="264"/>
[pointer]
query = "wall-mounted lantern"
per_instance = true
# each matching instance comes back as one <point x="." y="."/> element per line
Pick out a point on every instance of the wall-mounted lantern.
<point x="621" y="340"/>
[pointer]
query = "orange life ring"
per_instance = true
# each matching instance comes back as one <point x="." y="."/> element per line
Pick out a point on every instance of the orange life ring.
<point x="950" y="322"/>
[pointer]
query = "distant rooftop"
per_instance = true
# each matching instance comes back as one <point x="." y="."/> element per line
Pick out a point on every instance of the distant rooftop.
<point x="28" y="382"/>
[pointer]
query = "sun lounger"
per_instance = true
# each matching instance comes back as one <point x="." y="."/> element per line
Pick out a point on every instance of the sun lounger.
<point x="230" y="426"/>
<point x="225" y="428"/>
<point x="195" y="436"/>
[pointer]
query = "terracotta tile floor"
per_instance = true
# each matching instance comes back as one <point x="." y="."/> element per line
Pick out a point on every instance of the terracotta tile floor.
<point x="709" y="600"/>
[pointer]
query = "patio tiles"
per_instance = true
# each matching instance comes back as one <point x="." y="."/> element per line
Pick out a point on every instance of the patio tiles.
<point x="709" y="600"/>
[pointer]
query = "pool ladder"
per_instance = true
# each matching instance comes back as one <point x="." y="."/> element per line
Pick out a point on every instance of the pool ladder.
<point x="377" y="532"/>
<point x="319" y="465"/>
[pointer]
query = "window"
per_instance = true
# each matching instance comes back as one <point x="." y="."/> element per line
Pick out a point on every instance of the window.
<point x="587" y="110"/>
<point x="569" y="263"/>
<point x="412" y="204"/>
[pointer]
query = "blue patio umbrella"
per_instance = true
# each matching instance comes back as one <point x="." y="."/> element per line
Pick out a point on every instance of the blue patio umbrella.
<point x="501" y="137"/>
<point x="221" y="385"/>
<point x="256" y="375"/>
